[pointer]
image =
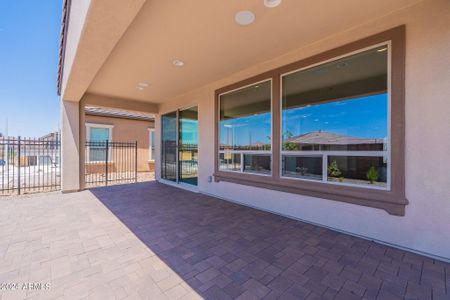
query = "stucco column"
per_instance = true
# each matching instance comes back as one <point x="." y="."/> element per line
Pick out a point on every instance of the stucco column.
<point x="70" y="146"/>
<point x="82" y="105"/>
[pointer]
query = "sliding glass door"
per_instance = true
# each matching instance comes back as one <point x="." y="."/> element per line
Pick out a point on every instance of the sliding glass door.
<point x="180" y="146"/>
<point x="169" y="137"/>
<point x="188" y="145"/>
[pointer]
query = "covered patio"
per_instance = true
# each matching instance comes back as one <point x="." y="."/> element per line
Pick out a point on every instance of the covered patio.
<point x="328" y="112"/>
<point x="153" y="241"/>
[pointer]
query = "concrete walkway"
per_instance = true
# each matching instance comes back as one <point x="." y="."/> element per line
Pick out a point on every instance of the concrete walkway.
<point x="152" y="241"/>
<point x="76" y="248"/>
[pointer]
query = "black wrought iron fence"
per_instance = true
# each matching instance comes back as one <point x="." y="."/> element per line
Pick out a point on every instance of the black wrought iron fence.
<point x="110" y="162"/>
<point x="183" y="167"/>
<point x="188" y="159"/>
<point x="29" y="165"/>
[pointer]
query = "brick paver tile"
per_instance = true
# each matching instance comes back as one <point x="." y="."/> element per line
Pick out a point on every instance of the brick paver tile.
<point x="416" y="291"/>
<point x="256" y="288"/>
<point x="234" y="290"/>
<point x="346" y="295"/>
<point x="240" y="277"/>
<point x="333" y="282"/>
<point x="216" y="292"/>
<point x="354" y="288"/>
<point x="237" y="265"/>
<point x="280" y="284"/>
<point x="298" y="291"/>
<point x="149" y="240"/>
<point x="247" y="295"/>
<point x="315" y="287"/>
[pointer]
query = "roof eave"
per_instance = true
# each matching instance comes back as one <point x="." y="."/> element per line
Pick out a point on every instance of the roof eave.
<point x="62" y="43"/>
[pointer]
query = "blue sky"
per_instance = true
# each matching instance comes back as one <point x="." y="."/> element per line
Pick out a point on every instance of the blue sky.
<point x="189" y="132"/>
<point x="364" y="117"/>
<point x="29" y="41"/>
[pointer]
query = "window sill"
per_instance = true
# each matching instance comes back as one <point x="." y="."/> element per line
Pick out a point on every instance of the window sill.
<point x="393" y="203"/>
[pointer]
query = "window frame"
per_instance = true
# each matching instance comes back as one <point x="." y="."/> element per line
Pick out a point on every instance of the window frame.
<point x="324" y="154"/>
<point x="150" y="144"/>
<point x="89" y="126"/>
<point x="392" y="201"/>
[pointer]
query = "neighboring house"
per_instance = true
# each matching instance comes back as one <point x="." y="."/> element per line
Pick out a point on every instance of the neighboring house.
<point x="33" y="151"/>
<point x="119" y="126"/>
<point x="332" y="112"/>
<point x="329" y="141"/>
<point x="353" y="169"/>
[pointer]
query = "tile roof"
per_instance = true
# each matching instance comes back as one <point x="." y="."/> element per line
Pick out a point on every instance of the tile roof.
<point x="328" y="138"/>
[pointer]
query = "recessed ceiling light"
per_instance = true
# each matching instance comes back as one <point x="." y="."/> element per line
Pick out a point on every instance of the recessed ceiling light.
<point x="178" y="63"/>
<point x="143" y="84"/>
<point x="272" y="3"/>
<point x="244" y="17"/>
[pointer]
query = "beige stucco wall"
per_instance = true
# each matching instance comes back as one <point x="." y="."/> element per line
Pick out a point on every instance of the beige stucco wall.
<point x="70" y="146"/>
<point x="78" y="12"/>
<point x="426" y="225"/>
<point x="126" y="130"/>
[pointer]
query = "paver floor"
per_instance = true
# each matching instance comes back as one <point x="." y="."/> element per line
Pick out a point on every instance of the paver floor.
<point x="152" y="241"/>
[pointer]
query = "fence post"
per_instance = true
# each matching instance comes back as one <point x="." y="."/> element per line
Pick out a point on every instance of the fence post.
<point x="18" y="164"/>
<point x="135" y="161"/>
<point x="106" y="163"/>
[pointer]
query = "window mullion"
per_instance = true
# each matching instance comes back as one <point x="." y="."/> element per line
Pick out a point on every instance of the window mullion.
<point x="324" y="167"/>
<point x="276" y="126"/>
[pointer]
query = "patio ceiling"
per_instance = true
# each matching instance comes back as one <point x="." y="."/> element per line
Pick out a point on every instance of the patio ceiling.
<point x="204" y="35"/>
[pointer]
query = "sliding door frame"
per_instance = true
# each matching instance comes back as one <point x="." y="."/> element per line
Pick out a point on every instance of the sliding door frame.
<point x="177" y="182"/>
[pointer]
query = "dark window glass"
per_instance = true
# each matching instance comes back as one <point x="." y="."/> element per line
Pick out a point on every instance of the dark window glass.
<point x="302" y="167"/>
<point x="364" y="170"/>
<point x="257" y="163"/>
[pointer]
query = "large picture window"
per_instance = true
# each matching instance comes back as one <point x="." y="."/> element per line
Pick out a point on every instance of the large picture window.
<point x="335" y="121"/>
<point x="245" y="129"/>
<point x="329" y="126"/>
